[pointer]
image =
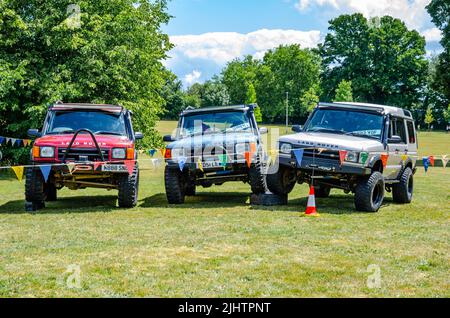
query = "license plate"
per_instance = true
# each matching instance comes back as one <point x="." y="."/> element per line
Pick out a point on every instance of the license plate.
<point x="211" y="164"/>
<point x="114" y="168"/>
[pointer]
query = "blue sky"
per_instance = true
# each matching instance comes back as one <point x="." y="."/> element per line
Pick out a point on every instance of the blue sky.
<point x="210" y="33"/>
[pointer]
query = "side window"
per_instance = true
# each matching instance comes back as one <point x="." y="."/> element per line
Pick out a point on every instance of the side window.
<point x="398" y="129"/>
<point x="411" y="133"/>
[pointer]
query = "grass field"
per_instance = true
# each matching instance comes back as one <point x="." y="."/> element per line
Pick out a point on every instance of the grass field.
<point x="218" y="245"/>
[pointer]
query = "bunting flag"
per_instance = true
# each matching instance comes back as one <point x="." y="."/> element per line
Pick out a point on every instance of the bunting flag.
<point x="26" y="142"/>
<point x="363" y="157"/>
<point x="273" y="154"/>
<point x="404" y="158"/>
<point x="248" y="158"/>
<point x="18" y="170"/>
<point x="432" y="160"/>
<point x="426" y="163"/>
<point x="163" y="151"/>
<point x="45" y="170"/>
<point x="444" y="161"/>
<point x="342" y="155"/>
<point x="384" y="160"/>
<point x="223" y="160"/>
<point x="97" y="164"/>
<point x="200" y="164"/>
<point x="8" y="140"/>
<point x="130" y="166"/>
<point x="182" y="162"/>
<point x="14" y="141"/>
<point x="2" y="139"/>
<point x="152" y="152"/>
<point x="298" y="154"/>
<point x="252" y="148"/>
<point x="70" y="166"/>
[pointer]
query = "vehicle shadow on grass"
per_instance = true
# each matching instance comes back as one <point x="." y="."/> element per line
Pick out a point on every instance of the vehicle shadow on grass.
<point x="203" y="200"/>
<point x="75" y="204"/>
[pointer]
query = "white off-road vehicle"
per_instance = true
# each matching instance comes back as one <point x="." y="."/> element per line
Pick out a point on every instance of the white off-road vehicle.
<point x="360" y="148"/>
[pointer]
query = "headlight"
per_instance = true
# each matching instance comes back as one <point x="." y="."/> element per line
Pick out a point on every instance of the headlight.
<point x="351" y="156"/>
<point x="241" y="149"/>
<point x="177" y="153"/>
<point x="286" y="148"/>
<point x="47" y="152"/>
<point x="119" y="153"/>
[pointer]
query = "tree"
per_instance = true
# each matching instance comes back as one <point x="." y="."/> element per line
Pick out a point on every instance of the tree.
<point x="251" y="99"/>
<point x="174" y="97"/>
<point x="384" y="60"/>
<point x="344" y="92"/>
<point x="236" y="76"/>
<point x="214" y="93"/>
<point x="309" y="100"/>
<point x="429" y="118"/>
<point x="97" y="51"/>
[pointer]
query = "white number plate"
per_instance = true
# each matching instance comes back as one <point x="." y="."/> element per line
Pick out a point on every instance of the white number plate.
<point x="211" y="164"/>
<point x="114" y="168"/>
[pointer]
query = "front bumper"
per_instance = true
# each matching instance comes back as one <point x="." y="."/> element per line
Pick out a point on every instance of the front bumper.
<point x="85" y="167"/>
<point x="324" y="166"/>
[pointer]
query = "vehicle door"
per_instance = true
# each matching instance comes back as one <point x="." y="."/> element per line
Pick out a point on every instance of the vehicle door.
<point x="397" y="146"/>
<point x="412" y="141"/>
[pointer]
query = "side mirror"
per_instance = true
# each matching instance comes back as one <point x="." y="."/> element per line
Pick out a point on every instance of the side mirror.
<point x="138" y="136"/>
<point x="297" y="128"/>
<point x="34" y="133"/>
<point x="168" y="138"/>
<point x="395" y="140"/>
<point x="263" y="130"/>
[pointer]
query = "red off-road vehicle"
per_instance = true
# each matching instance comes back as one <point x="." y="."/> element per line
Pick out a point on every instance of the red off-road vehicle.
<point x="88" y="146"/>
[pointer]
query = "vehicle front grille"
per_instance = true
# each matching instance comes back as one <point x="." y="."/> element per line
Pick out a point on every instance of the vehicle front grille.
<point x="320" y="154"/>
<point x="76" y="154"/>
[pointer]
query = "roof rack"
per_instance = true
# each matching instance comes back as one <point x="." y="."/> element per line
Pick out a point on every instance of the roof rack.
<point x="191" y="109"/>
<point x="59" y="105"/>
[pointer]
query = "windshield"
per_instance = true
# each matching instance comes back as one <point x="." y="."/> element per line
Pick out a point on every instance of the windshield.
<point x="346" y="122"/>
<point x="211" y="123"/>
<point x="97" y="122"/>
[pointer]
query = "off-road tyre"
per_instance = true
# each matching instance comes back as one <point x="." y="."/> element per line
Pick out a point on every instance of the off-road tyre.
<point x="322" y="191"/>
<point x="175" y="185"/>
<point x="256" y="177"/>
<point x="34" y="188"/>
<point x="282" y="182"/>
<point x="268" y="199"/>
<point x="51" y="192"/>
<point x="402" y="192"/>
<point x="369" y="193"/>
<point x="128" y="187"/>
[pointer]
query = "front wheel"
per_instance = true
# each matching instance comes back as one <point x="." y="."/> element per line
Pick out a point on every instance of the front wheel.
<point x="369" y="193"/>
<point x="282" y="182"/>
<point x="35" y="189"/>
<point x="128" y="189"/>
<point x="402" y="192"/>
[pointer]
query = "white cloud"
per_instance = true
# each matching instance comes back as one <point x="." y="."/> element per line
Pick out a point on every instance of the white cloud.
<point x="208" y="53"/>
<point x="192" y="78"/>
<point x="412" y="12"/>
<point x="432" y="35"/>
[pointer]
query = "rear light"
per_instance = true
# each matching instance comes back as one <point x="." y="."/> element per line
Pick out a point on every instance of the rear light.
<point x="36" y="152"/>
<point x="168" y="153"/>
<point x="130" y="153"/>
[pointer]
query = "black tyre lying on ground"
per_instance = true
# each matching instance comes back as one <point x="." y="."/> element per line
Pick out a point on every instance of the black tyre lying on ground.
<point x="369" y="193"/>
<point x="128" y="186"/>
<point x="322" y="191"/>
<point x="402" y="192"/>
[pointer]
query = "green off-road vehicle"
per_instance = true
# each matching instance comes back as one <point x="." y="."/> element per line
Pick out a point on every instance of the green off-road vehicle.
<point x="360" y="148"/>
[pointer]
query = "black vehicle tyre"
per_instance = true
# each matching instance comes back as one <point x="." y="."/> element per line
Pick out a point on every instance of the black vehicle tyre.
<point x="190" y="190"/>
<point x="175" y="186"/>
<point x="128" y="189"/>
<point x="402" y="192"/>
<point x="34" y="188"/>
<point x="256" y="178"/>
<point x="369" y="193"/>
<point x="322" y="191"/>
<point x="51" y="192"/>
<point x="282" y="182"/>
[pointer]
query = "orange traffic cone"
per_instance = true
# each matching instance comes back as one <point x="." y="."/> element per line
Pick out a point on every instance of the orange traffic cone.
<point x="311" y="206"/>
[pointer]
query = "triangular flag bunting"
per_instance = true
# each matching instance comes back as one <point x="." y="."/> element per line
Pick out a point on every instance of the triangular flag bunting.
<point x="130" y="166"/>
<point x="13" y="141"/>
<point x="18" y="170"/>
<point x="163" y="151"/>
<point x="363" y="157"/>
<point x="404" y="158"/>
<point x="223" y="160"/>
<point x="2" y="139"/>
<point x="342" y="155"/>
<point x="248" y="159"/>
<point x="26" y="142"/>
<point x="298" y="154"/>
<point x="8" y="140"/>
<point x="384" y="160"/>
<point x="426" y="163"/>
<point x="70" y="166"/>
<point x="444" y="161"/>
<point x="432" y="161"/>
<point x="182" y="163"/>
<point x="45" y="170"/>
<point x="152" y="152"/>
<point x="200" y="165"/>
<point x="97" y="164"/>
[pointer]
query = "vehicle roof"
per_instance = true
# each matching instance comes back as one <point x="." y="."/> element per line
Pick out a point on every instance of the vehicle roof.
<point x="374" y="107"/>
<point x="189" y="111"/>
<point x="84" y="106"/>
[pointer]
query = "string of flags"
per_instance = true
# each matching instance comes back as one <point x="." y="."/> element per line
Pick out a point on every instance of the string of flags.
<point x="14" y="142"/>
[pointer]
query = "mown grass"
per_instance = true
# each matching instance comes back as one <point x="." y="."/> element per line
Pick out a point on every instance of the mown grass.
<point x="217" y="245"/>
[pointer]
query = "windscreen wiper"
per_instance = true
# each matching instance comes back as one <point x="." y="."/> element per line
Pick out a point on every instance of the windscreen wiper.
<point x="61" y="132"/>
<point x="107" y="133"/>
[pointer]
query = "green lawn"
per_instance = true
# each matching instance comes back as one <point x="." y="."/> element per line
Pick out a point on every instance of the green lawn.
<point x="218" y="245"/>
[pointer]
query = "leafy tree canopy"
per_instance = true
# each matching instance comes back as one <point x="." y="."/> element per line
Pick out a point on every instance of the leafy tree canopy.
<point x="344" y="92"/>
